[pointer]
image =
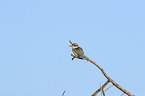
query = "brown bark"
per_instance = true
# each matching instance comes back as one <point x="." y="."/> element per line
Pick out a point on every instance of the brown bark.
<point x="101" y="88"/>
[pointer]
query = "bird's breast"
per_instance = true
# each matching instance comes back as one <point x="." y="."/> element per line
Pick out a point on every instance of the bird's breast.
<point x="74" y="52"/>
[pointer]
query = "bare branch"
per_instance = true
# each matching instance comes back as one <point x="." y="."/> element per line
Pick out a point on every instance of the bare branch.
<point x="109" y="79"/>
<point x="100" y="88"/>
<point x="63" y="93"/>
<point x="108" y="87"/>
<point x="103" y="92"/>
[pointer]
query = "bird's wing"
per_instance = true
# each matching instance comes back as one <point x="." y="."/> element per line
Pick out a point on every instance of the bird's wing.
<point x="79" y="51"/>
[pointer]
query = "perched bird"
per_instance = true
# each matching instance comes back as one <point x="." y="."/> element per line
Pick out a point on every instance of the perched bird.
<point x="78" y="51"/>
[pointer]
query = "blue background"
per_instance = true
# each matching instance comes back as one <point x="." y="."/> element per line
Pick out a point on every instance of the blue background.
<point x="35" y="58"/>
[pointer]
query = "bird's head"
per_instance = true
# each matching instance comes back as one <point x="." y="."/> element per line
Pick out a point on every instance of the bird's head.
<point x="74" y="45"/>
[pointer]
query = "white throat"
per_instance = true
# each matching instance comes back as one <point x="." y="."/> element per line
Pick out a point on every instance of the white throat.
<point x="74" y="46"/>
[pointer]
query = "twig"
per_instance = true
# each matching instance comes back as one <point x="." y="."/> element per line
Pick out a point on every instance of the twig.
<point x="63" y="93"/>
<point x="103" y="92"/>
<point x="108" y="87"/>
<point x="100" y="88"/>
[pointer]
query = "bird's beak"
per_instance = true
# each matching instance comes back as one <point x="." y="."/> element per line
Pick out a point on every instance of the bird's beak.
<point x="70" y="45"/>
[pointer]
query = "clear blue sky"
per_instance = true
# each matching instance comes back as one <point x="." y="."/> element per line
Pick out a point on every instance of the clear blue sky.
<point x="34" y="54"/>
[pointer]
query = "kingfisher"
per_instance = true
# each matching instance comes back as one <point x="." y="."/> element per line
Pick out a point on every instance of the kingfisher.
<point x="78" y="51"/>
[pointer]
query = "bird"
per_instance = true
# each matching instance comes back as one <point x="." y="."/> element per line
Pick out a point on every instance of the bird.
<point x="78" y="51"/>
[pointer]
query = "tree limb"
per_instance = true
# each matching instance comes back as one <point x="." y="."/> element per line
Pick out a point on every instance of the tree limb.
<point x="109" y="79"/>
<point x="100" y="88"/>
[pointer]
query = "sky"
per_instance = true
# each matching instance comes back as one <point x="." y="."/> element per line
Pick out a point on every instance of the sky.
<point x="35" y="59"/>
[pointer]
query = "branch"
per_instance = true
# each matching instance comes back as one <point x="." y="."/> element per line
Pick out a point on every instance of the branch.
<point x="63" y="93"/>
<point x="109" y="79"/>
<point x="108" y="87"/>
<point x="100" y="88"/>
<point x="103" y="92"/>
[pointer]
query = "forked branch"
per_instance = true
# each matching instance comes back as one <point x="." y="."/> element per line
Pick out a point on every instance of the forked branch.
<point x="109" y="79"/>
<point x="102" y="87"/>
